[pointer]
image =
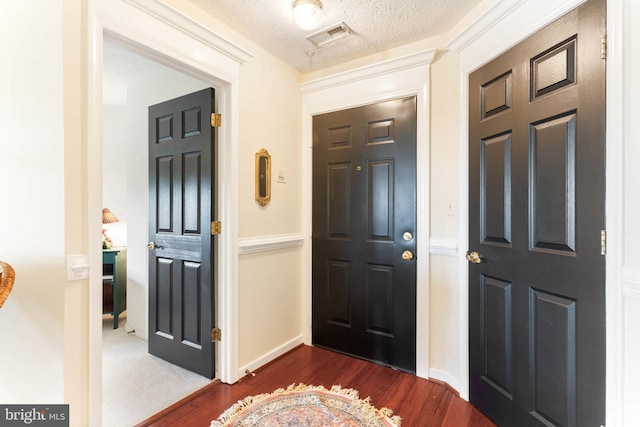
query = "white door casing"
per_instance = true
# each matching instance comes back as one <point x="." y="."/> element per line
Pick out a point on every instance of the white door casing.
<point x="406" y="76"/>
<point x="160" y="32"/>
<point x="478" y="44"/>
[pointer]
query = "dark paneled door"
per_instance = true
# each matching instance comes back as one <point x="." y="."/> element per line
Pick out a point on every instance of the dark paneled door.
<point x="181" y="207"/>
<point x="364" y="226"/>
<point x="536" y="198"/>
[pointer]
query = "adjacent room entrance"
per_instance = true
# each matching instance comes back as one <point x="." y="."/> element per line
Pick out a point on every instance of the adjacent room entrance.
<point x="364" y="224"/>
<point x="181" y="208"/>
<point x="536" y="201"/>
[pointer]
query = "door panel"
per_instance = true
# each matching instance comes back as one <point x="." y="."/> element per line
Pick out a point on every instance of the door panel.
<point x="536" y="198"/>
<point x="495" y="179"/>
<point x="552" y="372"/>
<point x="338" y="199"/>
<point x="495" y="332"/>
<point x="552" y="151"/>
<point x="181" y="206"/>
<point x="364" y="199"/>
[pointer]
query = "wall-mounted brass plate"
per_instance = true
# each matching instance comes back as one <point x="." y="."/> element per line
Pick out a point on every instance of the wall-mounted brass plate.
<point x="263" y="177"/>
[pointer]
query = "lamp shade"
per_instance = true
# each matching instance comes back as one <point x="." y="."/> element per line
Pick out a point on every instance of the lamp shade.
<point x="307" y="13"/>
<point x="108" y="217"/>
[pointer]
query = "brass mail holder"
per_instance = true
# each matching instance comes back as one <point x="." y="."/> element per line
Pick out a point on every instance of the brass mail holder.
<point x="263" y="177"/>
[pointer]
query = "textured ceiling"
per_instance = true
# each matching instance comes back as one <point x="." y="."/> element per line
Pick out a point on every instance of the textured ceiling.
<point x="377" y="25"/>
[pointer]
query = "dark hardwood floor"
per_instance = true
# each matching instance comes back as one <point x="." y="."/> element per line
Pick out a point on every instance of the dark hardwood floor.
<point x="418" y="401"/>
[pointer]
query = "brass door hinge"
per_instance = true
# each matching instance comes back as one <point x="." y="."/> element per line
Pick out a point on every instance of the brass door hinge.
<point x="216" y="335"/>
<point x="603" y="242"/>
<point x="216" y="228"/>
<point x="603" y="47"/>
<point x="216" y="120"/>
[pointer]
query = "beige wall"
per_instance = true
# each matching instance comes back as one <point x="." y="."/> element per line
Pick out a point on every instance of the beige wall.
<point x="269" y="312"/>
<point x="44" y="356"/>
<point x="445" y="137"/>
<point x="76" y="363"/>
<point x="269" y="282"/>
<point x="444" y="286"/>
<point x="270" y="105"/>
<point x="32" y="235"/>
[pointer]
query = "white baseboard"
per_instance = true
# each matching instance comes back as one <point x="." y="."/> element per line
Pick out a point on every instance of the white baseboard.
<point x="443" y="246"/>
<point x="273" y="354"/>
<point x="444" y="377"/>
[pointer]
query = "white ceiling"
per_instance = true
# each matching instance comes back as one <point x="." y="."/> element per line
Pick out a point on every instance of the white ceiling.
<point x="377" y="25"/>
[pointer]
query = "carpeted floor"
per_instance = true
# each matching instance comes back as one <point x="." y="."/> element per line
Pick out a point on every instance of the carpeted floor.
<point x="135" y="384"/>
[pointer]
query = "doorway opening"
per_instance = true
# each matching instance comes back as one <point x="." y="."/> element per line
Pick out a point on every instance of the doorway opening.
<point x="163" y="34"/>
<point x="135" y="384"/>
<point x="370" y="85"/>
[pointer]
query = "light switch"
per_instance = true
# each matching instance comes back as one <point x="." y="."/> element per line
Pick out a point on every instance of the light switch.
<point x="451" y="208"/>
<point x="77" y="267"/>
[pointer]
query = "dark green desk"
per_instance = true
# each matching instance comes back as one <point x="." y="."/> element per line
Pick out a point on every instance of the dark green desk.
<point x="114" y="282"/>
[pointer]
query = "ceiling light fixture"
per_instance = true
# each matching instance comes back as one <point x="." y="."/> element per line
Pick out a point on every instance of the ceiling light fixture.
<point x="307" y="13"/>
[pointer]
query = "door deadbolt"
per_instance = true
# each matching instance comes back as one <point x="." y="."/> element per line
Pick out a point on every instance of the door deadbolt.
<point x="407" y="255"/>
<point x="407" y="236"/>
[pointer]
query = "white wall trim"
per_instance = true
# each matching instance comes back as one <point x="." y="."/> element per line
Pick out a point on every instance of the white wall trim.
<point x="175" y="46"/>
<point x="631" y="282"/>
<point x="486" y="40"/>
<point x="614" y="206"/>
<point x="407" y="76"/>
<point x="94" y="204"/>
<point x="192" y="28"/>
<point x="496" y="13"/>
<point x="512" y="16"/>
<point x="250" y="245"/>
<point x="269" y="357"/>
<point x="368" y="71"/>
<point x="443" y="246"/>
<point x="476" y="28"/>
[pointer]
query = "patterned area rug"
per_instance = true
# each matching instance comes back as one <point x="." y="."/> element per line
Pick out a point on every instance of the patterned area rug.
<point x="305" y="406"/>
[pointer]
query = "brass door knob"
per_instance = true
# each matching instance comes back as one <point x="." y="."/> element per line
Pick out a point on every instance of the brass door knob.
<point x="407" y="255"/>
<point x="473" y="257"/>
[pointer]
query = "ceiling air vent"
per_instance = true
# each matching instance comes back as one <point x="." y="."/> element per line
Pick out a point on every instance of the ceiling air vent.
<point x="329" y="35"/>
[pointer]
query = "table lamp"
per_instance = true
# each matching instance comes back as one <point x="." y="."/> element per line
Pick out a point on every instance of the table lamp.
<point x="107" y="218"/>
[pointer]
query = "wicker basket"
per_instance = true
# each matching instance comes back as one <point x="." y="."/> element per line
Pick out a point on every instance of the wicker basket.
<point x="7" y="277"/>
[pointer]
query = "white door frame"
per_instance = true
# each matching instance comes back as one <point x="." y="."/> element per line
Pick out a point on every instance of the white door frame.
<point x="180" y="42"/>
<point x="406" y="76"/>
<point x="478" y="44"/>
